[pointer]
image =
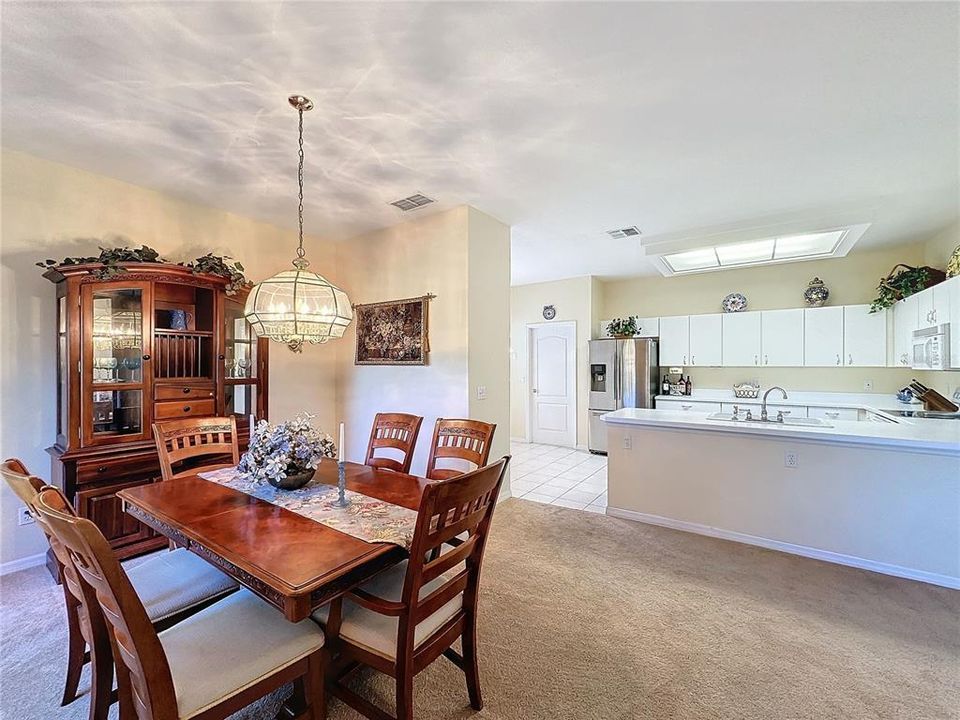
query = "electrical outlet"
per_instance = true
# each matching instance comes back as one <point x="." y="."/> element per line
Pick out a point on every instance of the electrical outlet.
<point x="868" y="384"/>
<point x="791" y="459"/>
<point x="481" y="392"/>
<point x="24" y="517"/>
<point x="627" y="442"/>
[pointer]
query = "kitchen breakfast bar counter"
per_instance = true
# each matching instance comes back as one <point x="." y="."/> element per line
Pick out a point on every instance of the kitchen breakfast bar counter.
<point x="879" y="496"/>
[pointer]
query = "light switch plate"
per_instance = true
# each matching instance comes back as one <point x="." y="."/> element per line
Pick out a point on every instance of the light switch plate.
<point x="24" y="517"/>
<point x="481" y="392"/>
<point x="868" y="385"/>
<point x="627" y="442"/>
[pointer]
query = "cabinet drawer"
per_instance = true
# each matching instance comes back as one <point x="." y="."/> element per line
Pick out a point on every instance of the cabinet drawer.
<point x="93" y="470"/>
<point x="679" y="405"/>
<point x="182" y="392"/>
<point x="186" y="408"/>
<point x="830" y="413"/>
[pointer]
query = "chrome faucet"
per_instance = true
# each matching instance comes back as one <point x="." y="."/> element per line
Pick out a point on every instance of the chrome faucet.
<point x="763" y="406"/>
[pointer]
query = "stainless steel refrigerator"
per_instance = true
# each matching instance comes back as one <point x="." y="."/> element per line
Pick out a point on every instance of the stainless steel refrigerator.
<point x="623" y="374"/>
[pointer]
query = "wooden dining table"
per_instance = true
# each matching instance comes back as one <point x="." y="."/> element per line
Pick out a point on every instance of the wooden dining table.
<point x="294" y="563"/>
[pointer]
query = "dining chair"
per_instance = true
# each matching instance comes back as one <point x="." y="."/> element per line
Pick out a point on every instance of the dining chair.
<point x="212" y="664"/>
<point x="171" y="585"/>
<point x="404" y="618"/>
<point x="189" y="438"/>
<point x="466" y="440"/>
<point x="397" y="431"/>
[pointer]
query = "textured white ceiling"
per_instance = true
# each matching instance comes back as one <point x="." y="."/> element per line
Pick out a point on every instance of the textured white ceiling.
<point x="563" y="120"/>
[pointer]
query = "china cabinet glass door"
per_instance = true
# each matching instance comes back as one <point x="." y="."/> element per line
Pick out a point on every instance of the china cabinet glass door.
<point x="115" y="367"/>
<point x="242" y="366"/>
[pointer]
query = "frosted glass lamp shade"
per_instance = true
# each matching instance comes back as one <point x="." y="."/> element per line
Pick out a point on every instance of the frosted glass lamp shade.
<point x="298" y="306"/>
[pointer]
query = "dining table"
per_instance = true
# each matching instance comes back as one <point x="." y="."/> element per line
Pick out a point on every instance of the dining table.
<point x="293" y="562"/>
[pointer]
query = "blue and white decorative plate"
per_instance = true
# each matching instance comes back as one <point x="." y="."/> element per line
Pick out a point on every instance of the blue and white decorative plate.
<point x="734" y="302"/>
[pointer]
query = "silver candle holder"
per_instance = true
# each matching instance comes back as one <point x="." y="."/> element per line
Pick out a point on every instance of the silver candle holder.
<point x="342" y="484"/>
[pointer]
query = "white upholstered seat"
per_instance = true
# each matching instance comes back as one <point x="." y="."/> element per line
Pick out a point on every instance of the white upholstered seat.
<point x="378" y="633"/>
<point x="171" y="582"/>
<point x="231" y="645"/>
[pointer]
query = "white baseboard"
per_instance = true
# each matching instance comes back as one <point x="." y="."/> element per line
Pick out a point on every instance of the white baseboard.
<point x="518" y="439"/>
<point x="23" y="564"/>
<point x="947" y="581"/>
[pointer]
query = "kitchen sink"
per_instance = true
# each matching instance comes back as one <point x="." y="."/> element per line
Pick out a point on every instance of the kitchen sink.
<point x="805" y="422"/>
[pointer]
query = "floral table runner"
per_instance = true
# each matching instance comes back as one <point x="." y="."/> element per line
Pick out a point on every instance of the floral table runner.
<point x="366" y="518"/>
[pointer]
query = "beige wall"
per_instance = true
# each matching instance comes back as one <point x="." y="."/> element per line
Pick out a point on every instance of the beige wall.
<point x="51" y="210"/>
<point x="573" y="300"/>
<point x="458" y="255"/>
<point x="488" y="329"/>
<point x="940" y="247"/>
<point x="851" y="280"/>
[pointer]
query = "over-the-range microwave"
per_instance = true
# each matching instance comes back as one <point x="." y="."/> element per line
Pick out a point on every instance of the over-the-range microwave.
<point x="931" y="348"/>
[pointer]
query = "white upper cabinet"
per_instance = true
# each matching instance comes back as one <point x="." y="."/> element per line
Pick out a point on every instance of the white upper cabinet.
<point x="648" y="326"/>
<point x="823" y="337"/>
<point x="864" y="337"/>
<point x="934" y="305"/>
<point x="905" y="321"/>
<point x="705" y="340"/>
<point x="674" y="340"/>
<point x="741" y="339"/>
<point x="781" y="338"/>
<point x="954" y="290"/>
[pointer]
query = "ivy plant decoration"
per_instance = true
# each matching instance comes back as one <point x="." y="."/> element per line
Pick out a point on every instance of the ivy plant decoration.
<point x="619" y="327"/>
<point x="111" y="260"/>
<point x="217" y="265"/>
<point x="899" y="285"/>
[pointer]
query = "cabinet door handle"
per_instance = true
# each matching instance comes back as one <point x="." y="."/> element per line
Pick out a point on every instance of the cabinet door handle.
<point x="186" y="390"/>
<point x="684" y="359"/>
<point x="766" y="360"/>
<point x="146" y="357"/>
<point x="686" y="407"/>
<point x="838" y="358"/>
<point x="832" y="414"/>
<point x="102" y="469"/>
<point x="693" y="359"/>
<point x="849" y="359"/>
<point x="756" y="359"/>
<point x="186" y="408"/>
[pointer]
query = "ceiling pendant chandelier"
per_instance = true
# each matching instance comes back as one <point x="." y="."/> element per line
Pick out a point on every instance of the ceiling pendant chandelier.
<point x="298" y="306"/>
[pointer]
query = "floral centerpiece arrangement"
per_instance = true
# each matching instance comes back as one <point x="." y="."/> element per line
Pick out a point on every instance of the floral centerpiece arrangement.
<point x="286" y="455"/>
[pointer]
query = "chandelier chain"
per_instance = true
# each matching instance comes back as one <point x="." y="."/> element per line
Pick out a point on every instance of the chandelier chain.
<point x="300" y="252"/>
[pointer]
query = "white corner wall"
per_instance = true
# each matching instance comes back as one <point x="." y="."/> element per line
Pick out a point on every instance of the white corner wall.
<point x="462" y="256"/>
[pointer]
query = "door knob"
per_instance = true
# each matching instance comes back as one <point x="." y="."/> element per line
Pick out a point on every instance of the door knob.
<point x="534" y="391"/>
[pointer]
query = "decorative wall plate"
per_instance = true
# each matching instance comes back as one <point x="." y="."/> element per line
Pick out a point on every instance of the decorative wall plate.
<point x="953" y="264"/>
<point x="549" y="312"/>
<point x="734" y="302"/>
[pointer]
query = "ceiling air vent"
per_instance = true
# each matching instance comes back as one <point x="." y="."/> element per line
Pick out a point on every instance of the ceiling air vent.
<point x="622" y="233"/>
<point x="412" y="203"/>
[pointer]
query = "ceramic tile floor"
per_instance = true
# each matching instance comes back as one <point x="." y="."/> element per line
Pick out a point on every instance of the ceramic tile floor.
<point x="559" y="476"/>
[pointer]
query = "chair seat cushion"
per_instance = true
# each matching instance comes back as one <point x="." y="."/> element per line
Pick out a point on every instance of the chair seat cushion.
<point x="172" y="582"/>
<point x="230" y="646"/>
<point x="378" y="633"/>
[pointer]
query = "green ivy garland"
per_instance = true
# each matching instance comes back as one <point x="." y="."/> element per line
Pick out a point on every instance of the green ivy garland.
<point x="112" y="258"/>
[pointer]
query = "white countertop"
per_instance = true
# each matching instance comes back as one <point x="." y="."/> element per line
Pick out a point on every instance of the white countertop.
<point x="916" y="434"/>
<point x="866" y="401"/>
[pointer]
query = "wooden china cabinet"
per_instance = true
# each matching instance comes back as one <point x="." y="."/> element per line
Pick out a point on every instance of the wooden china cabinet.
<point x="151" y="343"/>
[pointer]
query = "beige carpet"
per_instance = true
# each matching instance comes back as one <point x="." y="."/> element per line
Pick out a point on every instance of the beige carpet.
<point x="586" y="616"/>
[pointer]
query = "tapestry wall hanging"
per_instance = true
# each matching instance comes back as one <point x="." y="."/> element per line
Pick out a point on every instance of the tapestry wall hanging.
<point x="393" y="332"/>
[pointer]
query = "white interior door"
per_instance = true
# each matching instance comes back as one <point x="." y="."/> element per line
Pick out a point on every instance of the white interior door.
<point x="553" y="384"/>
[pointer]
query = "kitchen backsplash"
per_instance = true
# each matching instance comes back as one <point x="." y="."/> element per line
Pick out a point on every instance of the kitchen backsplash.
<point x="853" y="380"/>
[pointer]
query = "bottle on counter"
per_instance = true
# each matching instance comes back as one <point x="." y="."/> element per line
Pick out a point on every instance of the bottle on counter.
<point x="665" y="386"/>
<point x="688" y="389"/>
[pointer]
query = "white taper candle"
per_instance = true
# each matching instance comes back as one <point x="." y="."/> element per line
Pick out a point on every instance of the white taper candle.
<point x="340" y="445"/>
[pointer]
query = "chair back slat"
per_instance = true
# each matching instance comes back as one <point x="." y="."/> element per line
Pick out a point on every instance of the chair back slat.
<point x="190" y="438"/>
<point x="459" y="439"/>
<point x="465" y="504"/>
<point x="142" y="664"/>
<point x="396" y="431"/>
